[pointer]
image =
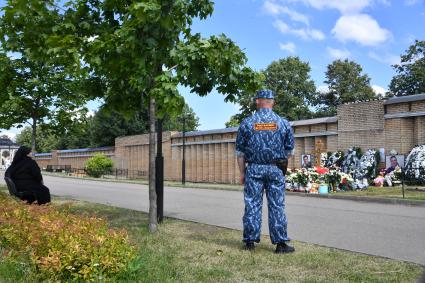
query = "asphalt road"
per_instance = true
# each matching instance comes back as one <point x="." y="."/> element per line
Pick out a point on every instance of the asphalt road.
<point x="388" y="230"/>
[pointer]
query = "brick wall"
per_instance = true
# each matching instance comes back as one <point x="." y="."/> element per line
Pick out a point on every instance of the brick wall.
<point x="361" y="125"/>
<point x="210" y="155"/>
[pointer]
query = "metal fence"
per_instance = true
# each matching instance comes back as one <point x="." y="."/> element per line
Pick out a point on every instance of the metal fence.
<point x="110" y="174"/>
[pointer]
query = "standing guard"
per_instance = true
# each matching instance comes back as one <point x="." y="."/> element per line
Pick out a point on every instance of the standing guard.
<point x="263" y="144"/>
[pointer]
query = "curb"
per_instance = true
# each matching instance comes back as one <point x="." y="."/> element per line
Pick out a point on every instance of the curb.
<point x="396" y="201"/>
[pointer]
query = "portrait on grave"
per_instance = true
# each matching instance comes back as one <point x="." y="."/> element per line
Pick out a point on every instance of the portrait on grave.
<point x="393" y="161"/>
<point x="306" y="161"/>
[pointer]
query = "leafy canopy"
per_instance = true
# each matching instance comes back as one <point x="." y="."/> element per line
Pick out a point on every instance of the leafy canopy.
<point x="410" y="78"/>
<point x="346" y="83"/>
<point x="139" y="50"/>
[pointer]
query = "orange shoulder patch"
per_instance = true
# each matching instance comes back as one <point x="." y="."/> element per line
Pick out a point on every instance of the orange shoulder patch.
<point x="265" y="126"/>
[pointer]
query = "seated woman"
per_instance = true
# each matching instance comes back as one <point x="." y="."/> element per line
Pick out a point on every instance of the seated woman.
<point x="26" y="175"/>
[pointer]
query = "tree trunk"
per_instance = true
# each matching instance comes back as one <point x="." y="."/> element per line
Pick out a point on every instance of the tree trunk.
<point x="153" y="221"/>
<point x="34" y="135"/>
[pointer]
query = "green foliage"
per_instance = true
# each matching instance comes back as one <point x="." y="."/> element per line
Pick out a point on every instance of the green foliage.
<point x="99" y="165"/>
<point x="175" y="123"/>
<point x="141" y="50"/>
<point x="233" y="122"/>
<point x="410" y="78"/>
<point x="38" y="94"/>
<point x="108" y="125"/>
<point x="295" y="91"/>
<point x="346" y="84"/>
<point x="76" y="135"/>
<point x="47" y="141"/>
<point x="35" y="87"/>
<point x="6" y="154"/>
<point x="61" y="246"/>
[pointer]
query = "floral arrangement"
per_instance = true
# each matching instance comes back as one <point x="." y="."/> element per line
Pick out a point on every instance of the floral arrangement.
<point x="346" y="181"/>
<point x="332" y="159"/>
<point x="351" y="163"/>
<point x="415" y="165"/>
<point x="396" y="174"/>
<point x="368" y="164"/>
<point x="309" y="179"/>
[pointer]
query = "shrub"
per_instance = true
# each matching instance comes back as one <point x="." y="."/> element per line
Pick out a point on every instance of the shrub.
<point x="62" y="246"/>
<point x="99" y="165"/>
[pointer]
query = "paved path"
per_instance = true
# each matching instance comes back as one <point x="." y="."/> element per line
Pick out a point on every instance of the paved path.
<point x="394" y="231"/>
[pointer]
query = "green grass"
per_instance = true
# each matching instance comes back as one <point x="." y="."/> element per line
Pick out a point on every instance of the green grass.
<point x="411" y="192"/>
<point x="189" y="252"/>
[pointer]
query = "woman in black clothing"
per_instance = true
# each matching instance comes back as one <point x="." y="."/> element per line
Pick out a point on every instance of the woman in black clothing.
<point x="26" y="175"/>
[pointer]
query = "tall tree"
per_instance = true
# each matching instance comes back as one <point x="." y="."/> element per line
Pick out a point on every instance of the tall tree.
<point x="410" y="78"/>
<point x="295" y="91"/>
<point x="35" y="93"/>
<point x="142" y="50"/>
<point x="47" y="141"/>
<point x="290" y="79"/>
<point x="175" y="123"/>
<point x="346" y="83"/>
<point x="33" y="90"/>
<point x="107" y="125"/>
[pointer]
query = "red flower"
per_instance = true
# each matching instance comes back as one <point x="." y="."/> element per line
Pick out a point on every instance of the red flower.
<point x="321" y="170"/>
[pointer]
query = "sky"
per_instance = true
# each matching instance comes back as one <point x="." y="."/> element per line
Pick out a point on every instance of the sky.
<point x="373" y="33"/>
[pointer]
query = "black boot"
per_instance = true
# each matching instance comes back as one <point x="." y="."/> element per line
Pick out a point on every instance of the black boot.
<point x="249" y="246"/>
<point x="283" y="248"/>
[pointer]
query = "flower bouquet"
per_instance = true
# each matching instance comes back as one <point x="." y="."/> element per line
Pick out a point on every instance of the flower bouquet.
<point x="415" y="166"/>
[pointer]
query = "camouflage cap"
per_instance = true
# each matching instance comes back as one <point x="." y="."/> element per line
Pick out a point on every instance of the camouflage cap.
<point x="265" y="93"/>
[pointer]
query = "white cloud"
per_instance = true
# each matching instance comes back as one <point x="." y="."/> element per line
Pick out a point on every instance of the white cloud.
<point x="344" y="6"/>
<point x="323" y="89"/>
<point x="281" y="26"/>
<point x="276" y="9"/>
<point x="290" y="47"/>
<point x="411" y="2"/>
<point x="379" y="90"/>
<point x="360" y="28"/>
<point x="338" y="53"/>
<point x="385" y="58"/>
<point x="317" y="34"/>
<point x="304" y="33"/>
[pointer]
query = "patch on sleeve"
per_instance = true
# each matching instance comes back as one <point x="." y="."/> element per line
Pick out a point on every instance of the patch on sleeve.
<point x="265" y="126"/>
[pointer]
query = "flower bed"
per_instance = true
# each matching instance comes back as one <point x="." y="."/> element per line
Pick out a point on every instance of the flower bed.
<point x="62" y="246"/>
<point x="415" y="166"/>
<point x="350" y="171"/>
<point x="308" y="180"/>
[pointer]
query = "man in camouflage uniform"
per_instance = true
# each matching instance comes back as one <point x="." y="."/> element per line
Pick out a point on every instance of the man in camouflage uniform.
<point x="263" y="140"/>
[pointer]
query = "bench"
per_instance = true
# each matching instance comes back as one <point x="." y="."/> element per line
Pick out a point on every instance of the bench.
<point x="14" y="192"/>
<point x="58" y="168"/>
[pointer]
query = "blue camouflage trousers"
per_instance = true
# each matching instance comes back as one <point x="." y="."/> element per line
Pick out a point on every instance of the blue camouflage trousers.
<point x="257" y="179"/>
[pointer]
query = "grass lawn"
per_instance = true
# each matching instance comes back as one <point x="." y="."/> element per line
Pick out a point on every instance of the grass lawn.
<point x="411" y="192"/>
<point x="190" y="252"/>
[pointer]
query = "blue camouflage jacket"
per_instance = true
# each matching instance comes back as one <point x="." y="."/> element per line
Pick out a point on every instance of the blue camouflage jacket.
<point x="264" y="137"/>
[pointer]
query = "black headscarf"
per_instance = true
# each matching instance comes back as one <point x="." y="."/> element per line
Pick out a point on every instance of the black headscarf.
<point x="20" y="154"/>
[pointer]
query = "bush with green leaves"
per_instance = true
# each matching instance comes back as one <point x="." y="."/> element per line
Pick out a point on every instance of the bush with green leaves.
<point x="61" y="246"/>
<point x="99" y="165"/>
